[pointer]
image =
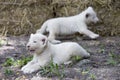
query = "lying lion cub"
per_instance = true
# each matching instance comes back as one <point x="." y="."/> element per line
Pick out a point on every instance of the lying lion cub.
<point x="70" y="25"/>
<point x="43" y="51"/>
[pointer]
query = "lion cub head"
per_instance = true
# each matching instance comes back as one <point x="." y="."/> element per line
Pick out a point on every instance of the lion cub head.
<point x="90" y="15"/>
<point x="36" y="43"/>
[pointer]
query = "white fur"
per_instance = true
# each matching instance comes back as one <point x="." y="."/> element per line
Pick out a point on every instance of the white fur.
<point x="44" y="51"/>
<point x="70" y="25"/>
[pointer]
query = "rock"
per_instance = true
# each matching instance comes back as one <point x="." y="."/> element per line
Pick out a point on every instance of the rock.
<point x="83" y="62"/>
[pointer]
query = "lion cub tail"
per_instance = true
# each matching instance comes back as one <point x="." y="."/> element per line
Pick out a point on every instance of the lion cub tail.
<point x="42" y="29"/>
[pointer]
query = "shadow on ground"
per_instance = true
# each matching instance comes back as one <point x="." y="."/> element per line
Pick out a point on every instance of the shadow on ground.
<point x="104" y="63"/>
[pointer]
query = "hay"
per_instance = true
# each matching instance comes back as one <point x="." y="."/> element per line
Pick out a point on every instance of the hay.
<point x="26" y="16"/>
<point x="22" y="17"/>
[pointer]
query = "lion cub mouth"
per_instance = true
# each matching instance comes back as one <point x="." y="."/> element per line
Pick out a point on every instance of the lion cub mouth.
<point x="32" y="50"/>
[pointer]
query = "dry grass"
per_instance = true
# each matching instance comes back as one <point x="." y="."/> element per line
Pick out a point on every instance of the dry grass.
<point x="22" y="17"/>
<point x="26" y="16"/>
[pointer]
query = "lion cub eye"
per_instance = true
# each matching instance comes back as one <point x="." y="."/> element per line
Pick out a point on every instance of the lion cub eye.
<point x="43" y="40"/>
<point x="34" y="41"/>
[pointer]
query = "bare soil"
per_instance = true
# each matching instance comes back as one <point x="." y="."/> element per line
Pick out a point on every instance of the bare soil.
<point x="97" y="67"/>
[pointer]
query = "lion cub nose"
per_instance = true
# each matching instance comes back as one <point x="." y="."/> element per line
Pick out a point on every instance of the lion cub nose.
<point x="28" y="46"/>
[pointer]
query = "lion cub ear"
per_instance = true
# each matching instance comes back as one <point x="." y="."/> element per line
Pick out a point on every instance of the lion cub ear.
<point x="44" y="40"/>
<point x="90" y="7"/>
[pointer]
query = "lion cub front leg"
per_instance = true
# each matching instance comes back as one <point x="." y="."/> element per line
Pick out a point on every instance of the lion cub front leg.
<point x="90" y="34"/>
<point x="27" y="67"/>
<point x="33" y="66"/>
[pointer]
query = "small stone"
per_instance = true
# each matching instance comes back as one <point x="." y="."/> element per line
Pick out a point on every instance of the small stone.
<point x="83" y="62"/>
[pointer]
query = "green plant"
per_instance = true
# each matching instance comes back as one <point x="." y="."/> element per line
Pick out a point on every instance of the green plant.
<point x="87" y="72"/>
<point x="22" y="61"/>
<point x="17" y="63"/>
<point x="113" y="59"/>
<point x="102" y="50"/>
<point x="8" y="72"/>
<point x="3" y="42"/>
<point x="55" y="70"/>
<point x="84" y="72"/>
<point x="92" y="76"/>
<point x="8" y="62"/>
<point x="76" y="58"/>
<point x="52" y="69"/>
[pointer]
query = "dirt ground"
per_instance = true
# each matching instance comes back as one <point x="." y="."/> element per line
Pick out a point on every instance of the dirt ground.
<point x="100" y="66"/>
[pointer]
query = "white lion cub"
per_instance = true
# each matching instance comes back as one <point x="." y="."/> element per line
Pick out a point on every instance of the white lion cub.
<point x="70" y="25"/>
<point x="43" y="51"/>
